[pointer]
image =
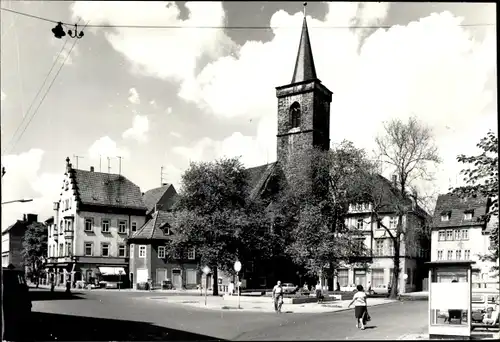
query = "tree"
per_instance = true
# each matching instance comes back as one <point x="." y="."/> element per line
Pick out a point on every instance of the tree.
<point x="315" y="198"/>
<point x="34" y="248"/>
<point x="409" y="150"/>
<point x="215" y="215"/>
<point x="481" y="178"/>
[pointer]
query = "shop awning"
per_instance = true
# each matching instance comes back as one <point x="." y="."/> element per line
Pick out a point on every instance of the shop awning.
<point x="112" y="270"/>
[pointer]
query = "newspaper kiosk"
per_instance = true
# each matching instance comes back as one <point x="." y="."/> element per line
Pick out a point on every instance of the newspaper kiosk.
<point x="450" y="288"/>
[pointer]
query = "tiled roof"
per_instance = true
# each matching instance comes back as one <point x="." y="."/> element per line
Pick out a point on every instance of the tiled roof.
<point x="152" y="229"/>
<point x="106" y="189"/>
<point x="304" y="65"/>
<point x="456" y="207"/>
<point x="151" y="197"/>
<point x="16" y="224"/>
<point x="258" y="176"/>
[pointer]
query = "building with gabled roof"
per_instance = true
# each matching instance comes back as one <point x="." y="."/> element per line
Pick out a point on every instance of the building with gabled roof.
<point x="460" y="231"/>
<point x="95" y="214"/>
<point x="12" y="241"/>
<point x="161" y="198"/>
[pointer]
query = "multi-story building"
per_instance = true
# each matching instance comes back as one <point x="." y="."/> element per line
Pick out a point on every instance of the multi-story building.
<point x="94" y="216"/>
<point x="12" y="241"/>
<point x="377" y="266"/>
<point x="459" y="232"/>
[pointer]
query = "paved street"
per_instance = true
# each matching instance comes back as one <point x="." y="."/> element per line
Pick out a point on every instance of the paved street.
<point x="113" y="315"/>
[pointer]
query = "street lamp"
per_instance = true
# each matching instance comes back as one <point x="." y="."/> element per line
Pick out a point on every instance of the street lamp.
<point x="23" y="200"/>
<point x="75" y="34"/>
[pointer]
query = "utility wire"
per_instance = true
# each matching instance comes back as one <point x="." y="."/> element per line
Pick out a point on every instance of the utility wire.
<point x="219" y="27"/>
<point x="25" y="116"/>
<point x="47" y="91"/>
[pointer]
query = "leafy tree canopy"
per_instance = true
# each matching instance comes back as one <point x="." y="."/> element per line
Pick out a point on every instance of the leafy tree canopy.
<point x="34" y="246"/>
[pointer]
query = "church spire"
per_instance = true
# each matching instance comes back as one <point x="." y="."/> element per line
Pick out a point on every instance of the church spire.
<point x="304" y="65"/>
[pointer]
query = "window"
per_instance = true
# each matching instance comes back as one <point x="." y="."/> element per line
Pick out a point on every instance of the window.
<point x="465" y="234"/>
<point x="366" y="206"/>
<point x="191" y="254"/>
<point x="161" y="252"/>
<point x="449" y="235"/>
<point x="105" y="249"/>
<point x="122" y="226"/>
<point x="122" y="251"/>
<point x="445" y="217"/>
<point x="191" y="277"/>
<point x="142" y="251"/>
<point x="360" y="223"/>
<point x="61" y="249"/>
<point x="89" y="248"/>
<point x="343" y="277"/>
<point x="379" y="247"/>
<point x="441" y="235"/>
<point x="468" y="216"/>
<point x="377" y="277"/>
<point x="457" y="235"/>
<point x="450" y="255"/>
<point x="105" y="225"/>
<point x="69" y="249"/>
<point x="467" y="254"/>
<point x="134" y="226"/>
<point x="177" y="255"/>
<point x="393" y="222"/>
<point x="391" y="246"/>
<point x="440" y="255"/>
<point x="61" y="226"/>
<point x="458" y="254"/>
<point x="89" y="224"/>
<point x="295" y="115"/>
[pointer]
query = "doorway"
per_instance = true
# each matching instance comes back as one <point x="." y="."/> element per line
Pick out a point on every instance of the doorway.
<point x="177" y="279"/>
<point x="360" y="277"/>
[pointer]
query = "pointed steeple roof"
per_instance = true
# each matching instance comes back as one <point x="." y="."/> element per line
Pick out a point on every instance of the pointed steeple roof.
<point x="304" y="65"/>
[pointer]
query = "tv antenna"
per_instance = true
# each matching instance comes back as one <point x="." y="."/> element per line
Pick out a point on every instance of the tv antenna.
<point x="109" y="165"/>
<point x="119" y="164"/>
<point x="76" y="159"/>
<point x="162" y="175"/>
<point x="100" y="163"/>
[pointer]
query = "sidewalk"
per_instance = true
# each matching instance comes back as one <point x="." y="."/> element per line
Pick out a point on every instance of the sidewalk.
<point x="218" y="303"/>
<point x="173" y="292"/>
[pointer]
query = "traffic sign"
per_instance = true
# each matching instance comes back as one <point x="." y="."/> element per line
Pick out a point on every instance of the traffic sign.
<point x="206" y="270"/>
<point x="237" y="266"/>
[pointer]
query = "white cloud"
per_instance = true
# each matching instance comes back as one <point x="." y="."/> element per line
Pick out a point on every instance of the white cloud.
<point x="432" y="68"/>
<point x="176" y="134"/>
<point x="133" y="96"/>
<point x="22" y="181"/>
<point x="153" y="103"/>
<point x="169" y="110"/>
<point x="165" y="53"/>
<point x="3" y="97"/>
<point x="105" y="147"/>
<point x="140" y="126"/>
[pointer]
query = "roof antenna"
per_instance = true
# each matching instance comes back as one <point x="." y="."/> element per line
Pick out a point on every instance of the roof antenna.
<point x="99" y="163"/>
<point x="161" y="175"/>
<point x="305" y="4"/>
<point x="119" y="164"/>
<point x="76" y="158"/>
<point x="109" y="166"/>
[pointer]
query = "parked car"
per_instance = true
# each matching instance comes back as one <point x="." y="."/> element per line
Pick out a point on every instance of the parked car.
<point x="289" y="288"/>
<point x="482" y="299"/>
<point x="16" y="304"/>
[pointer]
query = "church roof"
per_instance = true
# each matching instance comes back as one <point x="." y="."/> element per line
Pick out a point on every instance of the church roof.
<point x="304" y="65"/>
<point x="258" y="177"/>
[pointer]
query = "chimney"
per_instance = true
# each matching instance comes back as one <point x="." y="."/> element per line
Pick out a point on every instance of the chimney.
<point x="30" y="218"/>
<point x="394" y="180"/>
<point x="25" y="218"/>
<point x="56" y="205"/>
<point x="164" y="184"/>
<point x="91" y="169"/>
<point x="68" y="165"/>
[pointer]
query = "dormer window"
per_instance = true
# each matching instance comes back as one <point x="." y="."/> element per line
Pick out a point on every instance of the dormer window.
<point x="295" y="115"/>
<point x="445" y="216"/>
<point x="468" y="215"/>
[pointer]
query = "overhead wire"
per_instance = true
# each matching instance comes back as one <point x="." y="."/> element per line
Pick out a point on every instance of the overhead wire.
<point x="26" y="114"/>
<point x="220" y="27"/>
<point x="48" y="89"/>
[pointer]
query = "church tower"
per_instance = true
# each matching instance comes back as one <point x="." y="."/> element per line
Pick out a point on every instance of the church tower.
<point x="303" y="107"/>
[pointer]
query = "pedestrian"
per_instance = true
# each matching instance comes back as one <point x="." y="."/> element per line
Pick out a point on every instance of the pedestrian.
<point x="319" y="291"/>
<point x="369" y="287"/>
<point x="360" y="308"/>
<point x="230" y="288"/>
<point x="278" y="297"/>
<point x="306" y="287"/>
<point x="338" y="286"/>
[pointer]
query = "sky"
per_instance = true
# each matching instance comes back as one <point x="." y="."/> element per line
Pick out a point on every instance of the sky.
<point x="168" y="96"/>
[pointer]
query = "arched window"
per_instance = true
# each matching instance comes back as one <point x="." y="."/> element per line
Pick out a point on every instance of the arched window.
<point x="295" y="115"/>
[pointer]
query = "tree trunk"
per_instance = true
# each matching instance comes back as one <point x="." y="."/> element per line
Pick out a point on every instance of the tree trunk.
<point x="396" y="269"/>
<point x="215" y="282"/>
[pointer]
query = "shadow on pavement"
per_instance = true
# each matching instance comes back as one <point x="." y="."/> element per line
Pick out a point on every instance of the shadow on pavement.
<point x="51" y="327"/>
<point x="56" y="295"/>
<point x="370" y="327"/>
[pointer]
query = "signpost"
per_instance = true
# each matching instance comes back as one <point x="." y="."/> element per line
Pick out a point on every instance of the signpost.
<point x="237" y="268"/>
<point x="119" y="279"/>
<point x="206" y="270"/>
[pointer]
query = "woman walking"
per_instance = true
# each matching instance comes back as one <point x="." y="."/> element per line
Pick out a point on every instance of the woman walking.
<point x="360" y="311"/>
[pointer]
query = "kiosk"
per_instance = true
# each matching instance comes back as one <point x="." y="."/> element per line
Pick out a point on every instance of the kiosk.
<point x="450" y="288"/>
